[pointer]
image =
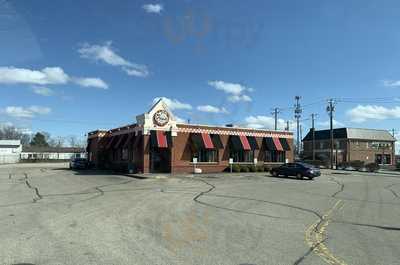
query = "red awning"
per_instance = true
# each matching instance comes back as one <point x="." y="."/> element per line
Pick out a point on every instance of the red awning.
<point x="162" y="139"/>
<point x="245" y="142"/>
<point x="121" y="141"/>
<point x="128" y="141"/>
<point x="110" y="141"/>
<point x="277" y="144"/>
<point x="208" y="144"/>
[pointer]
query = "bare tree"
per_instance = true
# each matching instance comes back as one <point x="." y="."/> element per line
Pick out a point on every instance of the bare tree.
<point x="75" y="141"/>
<point x="10" y="133"/>
<point x="26" y="139"/>
<point x="13" y="133"/>
<point x="72" y="140"/>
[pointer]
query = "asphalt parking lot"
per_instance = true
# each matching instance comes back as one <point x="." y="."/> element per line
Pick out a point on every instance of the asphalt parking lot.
<point x="51" y="215"/>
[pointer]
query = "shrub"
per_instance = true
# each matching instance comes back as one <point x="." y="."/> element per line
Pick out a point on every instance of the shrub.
<point x="236" y="168"/>
<point x="244" y="168"/>
<point x="372" y="167"/>
<point x="253" y="168"/>
<point x="267" y="168"/>
<point x="398" y="165"/>
<point x="357" y="164"/>
<point x="260" y="168"/>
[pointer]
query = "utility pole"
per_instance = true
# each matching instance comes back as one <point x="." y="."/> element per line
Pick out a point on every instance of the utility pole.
<point x="330" y="109"/>
<point x="297" y="115"/>
<point x="313" y="116"/>
<point x="393" y="132"/>
<point x="275" y="113"/>
<point x="287" y="126"/>
<point x="301" y="137"/>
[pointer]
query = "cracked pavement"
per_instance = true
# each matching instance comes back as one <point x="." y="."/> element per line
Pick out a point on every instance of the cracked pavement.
<point x="51" y="215"/>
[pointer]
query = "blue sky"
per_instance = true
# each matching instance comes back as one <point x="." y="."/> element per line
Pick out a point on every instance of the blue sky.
<point x="69" y="68"/>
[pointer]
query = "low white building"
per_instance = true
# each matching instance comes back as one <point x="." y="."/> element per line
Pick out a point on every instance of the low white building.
<point x="33" y="153"/>
<point x="10" y="151"/>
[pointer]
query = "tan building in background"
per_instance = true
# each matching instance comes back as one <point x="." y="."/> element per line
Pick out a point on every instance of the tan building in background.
<point x="350" y="144"/>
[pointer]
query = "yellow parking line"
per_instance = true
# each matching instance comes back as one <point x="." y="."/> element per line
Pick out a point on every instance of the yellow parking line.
<point x="316" y="234"/>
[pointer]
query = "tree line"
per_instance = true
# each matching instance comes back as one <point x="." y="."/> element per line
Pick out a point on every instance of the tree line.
<point x="42" y="139"/>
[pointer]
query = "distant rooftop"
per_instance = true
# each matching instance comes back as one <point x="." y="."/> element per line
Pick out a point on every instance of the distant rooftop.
<point x="10" y="142"/>
<point x="352" y="133"/>
<point x="43" y="149"/>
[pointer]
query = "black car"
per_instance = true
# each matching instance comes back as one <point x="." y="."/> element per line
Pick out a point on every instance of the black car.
<point x="299" y="170"/>
<point x="78" y="163"/>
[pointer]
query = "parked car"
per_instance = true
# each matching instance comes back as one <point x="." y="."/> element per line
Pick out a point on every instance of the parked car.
<point x="299" y="170"/>
<point x="78" y="163"/>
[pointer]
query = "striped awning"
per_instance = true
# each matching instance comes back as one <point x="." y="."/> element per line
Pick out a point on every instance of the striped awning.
<point x="240" y="142"/>
<point x="216" y="139"/>
<point x="269" y="144"/>
<point x="111" y="141"/>
<point x="253" y="142"/>
<point x="160" y="139"/>
<point x="276" y="144"/>
<point x="285" y="144"/>
<point x="129" y="141"/>
<point x="121" y="141"/>
<point x="202" y="141"/>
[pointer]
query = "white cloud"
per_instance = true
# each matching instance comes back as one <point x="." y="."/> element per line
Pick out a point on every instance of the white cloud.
<point x="179" y="119"/>
<point x="43" y="91"/>
<point x="6" y="124"/>
<point x="236" y="92"/>
<point x="391" y="83"/>
<point x="106" y="54"/>
<point x="212" y="109"/>
<point x="91" y="82"/>
<point x="174" y="104"/>
<point x="46" y="76"/>
<point x="265" y="122"/>
<point x="361" y="113"/>
<point x="237" y="98"/>
<point x="326" y="124"/>
<point x="153" y="8"/>
<point x="29" y="112"/>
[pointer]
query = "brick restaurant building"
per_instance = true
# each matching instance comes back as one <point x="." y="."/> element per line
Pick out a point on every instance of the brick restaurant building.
<point x="157" y="143"/>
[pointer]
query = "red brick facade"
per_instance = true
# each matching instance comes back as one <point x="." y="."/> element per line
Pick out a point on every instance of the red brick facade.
<point x="138" y="154"/>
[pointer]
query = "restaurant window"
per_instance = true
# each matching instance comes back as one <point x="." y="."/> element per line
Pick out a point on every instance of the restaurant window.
<point x="275" y="156"/>
<point x="206" y="155"/>
<point x="384" y="159"/>
<point x="245" y="156"/>
<point x="124" y="154"/>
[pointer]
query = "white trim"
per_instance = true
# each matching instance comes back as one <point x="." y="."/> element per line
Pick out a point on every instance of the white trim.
<point x="229" y="131"/>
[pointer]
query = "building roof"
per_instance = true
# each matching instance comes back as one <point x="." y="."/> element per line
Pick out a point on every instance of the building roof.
<point x="43" y="149"/>
<point x="10" y="143"/>
<point x="352" y="133"/>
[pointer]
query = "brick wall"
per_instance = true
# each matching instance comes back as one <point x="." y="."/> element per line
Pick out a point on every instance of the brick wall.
<point x="182" y="155"/>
